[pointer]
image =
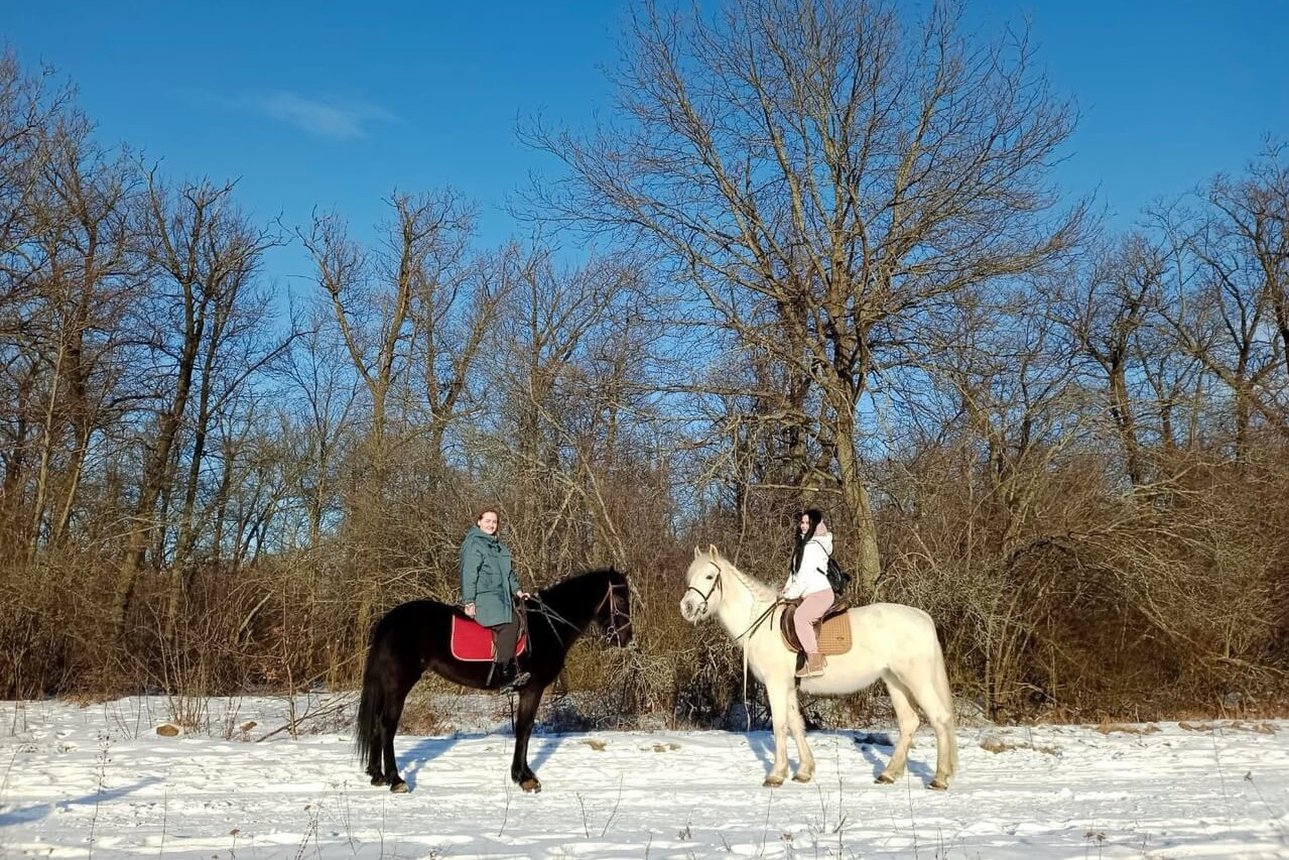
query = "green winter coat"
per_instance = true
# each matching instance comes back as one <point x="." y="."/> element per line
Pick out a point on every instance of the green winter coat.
<point x="487" y="579"/>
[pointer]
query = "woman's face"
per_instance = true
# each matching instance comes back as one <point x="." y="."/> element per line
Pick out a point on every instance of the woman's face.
<point x="488" y="523"/>
<point x="805" y="524"/>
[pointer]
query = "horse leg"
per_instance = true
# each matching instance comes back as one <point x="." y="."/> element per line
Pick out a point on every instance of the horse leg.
<point x="389" y="725"/>
<point x="374" y="743"/>
<point x="779" y="707"/>
<point x="939" y="713"/>
<point x="373" y="758"/>
<point x="529" y="698"/>
<point x="797" y="725"/>
<point x="376" y="737"/>
<point x="908" y="720"/>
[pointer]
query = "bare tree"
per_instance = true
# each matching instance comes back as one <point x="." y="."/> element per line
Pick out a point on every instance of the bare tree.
<point x="29" y="114"/>
<point x="202" y="254"/>
<point x="1226" y="302"/>
<point x="318" y="424"/>
<point x="411" y="311"/>
<point x="823" y="173"/>
<point x="399" y="309"/>
<point x="567" y="362"/>
<point x="89" y="281"/>
<point x="1105" y="311"/>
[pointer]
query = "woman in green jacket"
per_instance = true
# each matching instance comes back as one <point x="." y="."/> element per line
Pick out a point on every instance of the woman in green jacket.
<point x="488" y="591"/>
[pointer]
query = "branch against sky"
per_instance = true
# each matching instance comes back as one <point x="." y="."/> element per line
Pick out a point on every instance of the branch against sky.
<point x="827" y="177"/>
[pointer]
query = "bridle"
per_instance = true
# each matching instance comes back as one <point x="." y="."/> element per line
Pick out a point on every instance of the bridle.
<point x="619" y="621"/>
<point x="716" y="583"/>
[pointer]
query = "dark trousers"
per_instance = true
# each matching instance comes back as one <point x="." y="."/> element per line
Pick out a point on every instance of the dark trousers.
<point x="504" y="638"/>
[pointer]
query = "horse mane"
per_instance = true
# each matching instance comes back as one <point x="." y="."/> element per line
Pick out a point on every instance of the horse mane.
<point x="758" y="589"/>
<point x="568" y="582"/>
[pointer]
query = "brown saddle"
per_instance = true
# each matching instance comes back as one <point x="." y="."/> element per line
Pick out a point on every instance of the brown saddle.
<point x="833" y="628"/>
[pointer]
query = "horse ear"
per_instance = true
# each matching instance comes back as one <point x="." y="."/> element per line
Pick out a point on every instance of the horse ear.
<point x="711" y="550"/>
<point x="698" y="553"/>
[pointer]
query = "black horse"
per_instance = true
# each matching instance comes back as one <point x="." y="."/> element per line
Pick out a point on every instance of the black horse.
<point x="413" y="637"/>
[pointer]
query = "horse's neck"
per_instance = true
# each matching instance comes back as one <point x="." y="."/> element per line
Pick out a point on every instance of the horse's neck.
<point x="566" y="600"/>
<point x="740" y="606"/>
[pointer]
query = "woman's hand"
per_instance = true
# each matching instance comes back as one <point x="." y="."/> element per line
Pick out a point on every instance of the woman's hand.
<point x="522" y="595"/>
<point x="469" y="609"/>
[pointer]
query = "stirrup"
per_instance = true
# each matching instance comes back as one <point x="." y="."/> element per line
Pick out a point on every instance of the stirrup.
<point x="514" y="683"/>
<point x="809" y="671"/>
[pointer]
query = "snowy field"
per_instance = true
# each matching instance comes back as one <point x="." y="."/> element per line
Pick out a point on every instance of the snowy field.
<point x="99" y="781"/>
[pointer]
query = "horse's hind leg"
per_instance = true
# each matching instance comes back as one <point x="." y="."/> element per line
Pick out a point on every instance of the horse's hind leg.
<point x="797" y="725"/>
<point x="937" y="703"/>
<point x="907" y="717"/>
<point x="388" y="726"/>
<point x="374" y="753"/>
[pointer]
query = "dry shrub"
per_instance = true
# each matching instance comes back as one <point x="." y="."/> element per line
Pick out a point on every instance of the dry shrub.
<point x="1107" y="728"/>
<point x="54" y="631"/>
<point x="420" y="715"/>
<point x="1079" y="600"/>
<point x="995" y="745"/>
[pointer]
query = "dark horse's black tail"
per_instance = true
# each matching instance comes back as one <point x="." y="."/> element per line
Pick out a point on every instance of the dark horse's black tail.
<point x="371" y="708"/>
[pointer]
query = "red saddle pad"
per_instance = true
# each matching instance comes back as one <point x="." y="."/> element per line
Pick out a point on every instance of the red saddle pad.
<point x="472" y="642"/>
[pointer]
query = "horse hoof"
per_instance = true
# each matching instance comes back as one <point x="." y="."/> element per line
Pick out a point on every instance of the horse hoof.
<point x="802" y="777"/>
<point x="531" y="785"/>
<point x="772" y="782"/>
<point x="885" y="779"/>
<point x="399" y="787"/>
<point x="377" y="779"/>
<point x="939" y="785"/>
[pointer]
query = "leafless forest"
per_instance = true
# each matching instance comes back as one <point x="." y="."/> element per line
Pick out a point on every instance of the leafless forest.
<point x="827" y="264"/>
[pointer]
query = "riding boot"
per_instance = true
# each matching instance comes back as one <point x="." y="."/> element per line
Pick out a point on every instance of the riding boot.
<point x="814" y="666"/>
<point x="511" y="678"/>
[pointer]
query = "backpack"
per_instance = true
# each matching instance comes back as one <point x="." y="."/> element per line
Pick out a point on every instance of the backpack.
<point x="838" y="579"/>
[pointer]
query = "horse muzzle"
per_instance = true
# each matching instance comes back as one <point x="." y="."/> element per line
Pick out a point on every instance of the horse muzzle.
<point x="693" y="609"/>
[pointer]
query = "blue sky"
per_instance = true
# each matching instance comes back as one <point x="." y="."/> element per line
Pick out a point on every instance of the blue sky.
<point x="333" y="105"/>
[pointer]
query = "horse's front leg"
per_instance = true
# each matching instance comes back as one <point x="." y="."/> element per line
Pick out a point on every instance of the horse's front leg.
<point x="529" y="698"/>
<point x="777" y="693"/>
<point x="797" y="725"/>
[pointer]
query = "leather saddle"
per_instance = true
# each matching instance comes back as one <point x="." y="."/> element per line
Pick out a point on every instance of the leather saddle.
<point x="832" y="629"/>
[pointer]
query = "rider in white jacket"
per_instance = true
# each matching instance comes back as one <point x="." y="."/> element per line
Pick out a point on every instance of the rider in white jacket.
<point x="811" y="574"/>
<point x="808" y="580"/>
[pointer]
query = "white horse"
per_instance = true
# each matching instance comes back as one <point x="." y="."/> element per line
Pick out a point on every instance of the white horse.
<point x="888" y="640"/>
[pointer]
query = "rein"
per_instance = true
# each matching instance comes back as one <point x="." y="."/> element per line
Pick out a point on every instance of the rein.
<point x="746" y="635"/>
<point x="760" y="619"/>
<point x="615" y="614"/>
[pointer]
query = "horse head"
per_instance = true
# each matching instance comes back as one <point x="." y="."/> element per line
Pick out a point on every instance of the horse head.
<point x="613" y="614"/>
<point x="702" y="585"/>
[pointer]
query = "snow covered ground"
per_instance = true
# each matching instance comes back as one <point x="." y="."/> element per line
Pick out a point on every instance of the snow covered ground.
<point x="99" y="781"/>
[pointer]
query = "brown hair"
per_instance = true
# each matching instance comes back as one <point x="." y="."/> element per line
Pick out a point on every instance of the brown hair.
<point x="488" y="509"/>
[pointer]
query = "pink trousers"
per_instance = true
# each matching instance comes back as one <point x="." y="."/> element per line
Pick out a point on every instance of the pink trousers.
<point x="812" y="606"/>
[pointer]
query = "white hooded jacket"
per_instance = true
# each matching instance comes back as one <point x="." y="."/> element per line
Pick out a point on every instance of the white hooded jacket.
<point x="812" y="575"/>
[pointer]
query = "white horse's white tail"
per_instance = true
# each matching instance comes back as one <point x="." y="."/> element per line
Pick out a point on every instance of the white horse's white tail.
<point x="895" y="643"/>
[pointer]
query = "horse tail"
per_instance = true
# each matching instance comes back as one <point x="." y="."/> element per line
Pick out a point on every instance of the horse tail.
<point x="371" y="707"/>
